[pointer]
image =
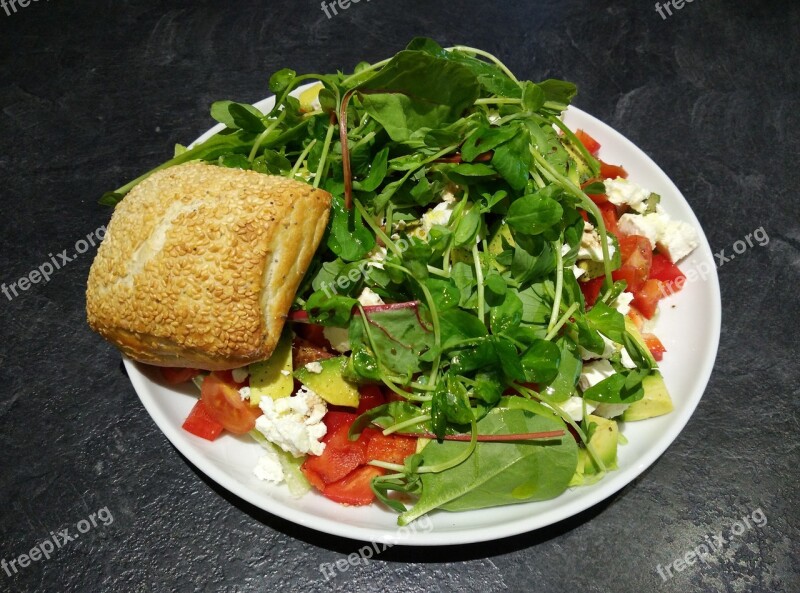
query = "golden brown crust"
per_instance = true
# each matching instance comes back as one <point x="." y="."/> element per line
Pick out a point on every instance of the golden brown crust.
<point x="201" y="264"/>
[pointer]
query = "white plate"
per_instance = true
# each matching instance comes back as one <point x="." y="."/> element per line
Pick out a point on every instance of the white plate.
<point x="689" y="327"/>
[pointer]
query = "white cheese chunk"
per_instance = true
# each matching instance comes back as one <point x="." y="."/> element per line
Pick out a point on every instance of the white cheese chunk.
<point x="294" y="423"/>
<point x="269" y="467"/>
<point x="609" y="347"/>
<point x="314" y="367"/>
<point x="594" y="372"/>
<point x="677" y="240"/>
<point x="240" y="375"/>
<point x="369" y="297"/>
<point x="610" y="410"/>
<point x="590" y="247"/>
<point x="339" y="337"/>
<point x="244" y="393"/>
<point x="622" y="192"/>
<point x="574" y="407"/>
<point x="438" y="215"/>
<point x="623" y="302"/>
<point x="648" y="225"/>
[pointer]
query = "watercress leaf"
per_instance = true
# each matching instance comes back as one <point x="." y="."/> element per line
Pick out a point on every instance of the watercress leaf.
<point x="468" y="227"/>
<point x="478" y="356"/>
<point x="498" y="473"/>
<point x="486" y="138"/>
<point x="508" y="357"/>
<point x="558" y="91"/>
<point x="457" y="325"/>
<point x="444" y="293"/>
<point x="281" y="80"/>
<point x="377" y="172"/>
<point x="541" y="361"/>
<point x="506" y="316"/>
<point x="238" y="116"/>
<point x="487" y="387"/>
<point x="513" y="160"/>
<point x="619" y="388"/>
<point x="362" y="365"/>
<point x="495" y="289"/>
<point x="348" y="237"/>
<point x="324" y="309"/>
<point x="515" y="402"/>
<point x="533" y="214"/>
<point x="533" y="96"/>
<point x="526" y="267"/>
<point x="562" y="387"/>
<point x="607" y="321"/>
<point x="536" y="304"/>
<point x="234" y="161"/>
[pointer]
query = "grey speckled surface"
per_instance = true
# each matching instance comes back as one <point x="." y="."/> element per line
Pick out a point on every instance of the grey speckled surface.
<point x="92" y="93"/>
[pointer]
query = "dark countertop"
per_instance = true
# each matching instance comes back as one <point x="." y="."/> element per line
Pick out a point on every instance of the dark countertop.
<point x="92" y="93"/>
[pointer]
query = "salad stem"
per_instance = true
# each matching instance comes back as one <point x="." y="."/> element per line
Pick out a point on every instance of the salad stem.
<point x="379" y="232"/>
<point x="553" y="332"/>
<point x="302" y="157"/>
<point x="485" y="54"/>
<point x="324" y="157"/>
<point x="263" y="135"/>
<point x="405" y="423"/>
<point x="498" y="101"/>
<point x="559" y="286"/>
<point x="479" y="280"/>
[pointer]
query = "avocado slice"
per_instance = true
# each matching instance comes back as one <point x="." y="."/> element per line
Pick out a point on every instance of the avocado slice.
<point x="604" y="442"/>
<point x="655" y="402"/>
<point x="273" y="377"/>
<point x="330" y="383"/>
<point x="631" y="328"/>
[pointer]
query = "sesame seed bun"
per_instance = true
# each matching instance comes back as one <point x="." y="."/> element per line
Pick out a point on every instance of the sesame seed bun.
<point x="201" y="263"/>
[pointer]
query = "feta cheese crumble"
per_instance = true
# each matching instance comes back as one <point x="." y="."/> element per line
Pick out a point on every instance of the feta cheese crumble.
<point x="590" y="247"/>
<point x="622" y="192"/>
<point x="339" y="337"/>
<point x="369" y="297"/>
<point x="314" y="367"/>
<point x="294" y="423"/>
<point x="594" y="372"/>
<point x="240" y="375"/>
<point x="438" y="215"/>
<point x="269" y="467"/>
<point x="244" y="393"/>
<point x="574" y="407"/>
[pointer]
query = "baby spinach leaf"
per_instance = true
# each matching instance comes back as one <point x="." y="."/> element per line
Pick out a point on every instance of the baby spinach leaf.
<point x="348" y="238"/>
<point x="325" y="309"/>
<point x="498" y="473"/>
<point x="486" y="138"/>
<point x="562" y="387"/>
<point x="620" y="388"/>
<point x="533" y="214"/>
<point x="513" y="160"/>
<point x="377" y="172"/>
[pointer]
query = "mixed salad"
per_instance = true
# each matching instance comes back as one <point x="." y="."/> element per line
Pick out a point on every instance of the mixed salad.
<point x="477" y="320"/>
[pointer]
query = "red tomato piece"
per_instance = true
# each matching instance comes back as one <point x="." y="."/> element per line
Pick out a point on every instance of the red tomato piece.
<point x="637" y="257"/>
<point x="654" y="345"/>
<point x="341" y="455"/>
<point x="670" y="275"/>
<point x="201" y="424"/>
<point x="609" y="212"/>
<point x="636" y="317"/>
<point x="591" y="290"/>
<point x="391" y="448"/>
<point x="608" y="171"/>
<point x="354" y="489"/>
<point x="313" y="334"/>
<point x="646" y="298"/>
<point x="592" y="146"/>
<point x="370" y="396"/>
<point x="224" y="404"/>
<point x="176" y="375"/>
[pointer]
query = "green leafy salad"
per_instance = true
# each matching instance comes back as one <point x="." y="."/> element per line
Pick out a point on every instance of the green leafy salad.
<point x="451" y="280"/>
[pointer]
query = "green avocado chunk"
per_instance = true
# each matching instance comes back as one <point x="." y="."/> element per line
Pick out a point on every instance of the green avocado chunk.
<point x="329" y="382"/>
<point x="273" y="377"/>
<point x="655" y="402"/>
<point x="604" y="442"/>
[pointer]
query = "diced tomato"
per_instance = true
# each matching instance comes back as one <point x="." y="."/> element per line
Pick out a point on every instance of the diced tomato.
<point x="636" y="317"/>
<point x="391" y="448"/>
<point x="612" y="171"/>
<point x="654" y="345"/>
<point x="355" y="489"/>
<point x="667" y="273"/>
<point x="341" y="455"/>
<point x="584" y="215"/>
<point x="176" y="375"/>
<point x="224" y="404"/>
<point x="591" y="145"/>
<point x="609" y="212"/>
<point x="201" y="424"/>
<point x="637" y="257"/>
<point x="370" y="396"/>
<point x="591" y="290"/>
<point x="646" y="298"/>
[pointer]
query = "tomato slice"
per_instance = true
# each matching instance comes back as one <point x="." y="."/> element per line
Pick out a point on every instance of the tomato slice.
<point x="608" y="171"/>
<point x="667" y="273"/>
<point x="354" y="489"/>
<point x="224" y="404"/>
<point x="391" y="448"/>
<point x="591" y="290"/>
<point x="646" y="298"/>
<point x="592" y="146"/>
<point x="201" y="424"/>
<point x="370" y="396"/>
<point x="177" y="375"/>
<point x="654" y="345"/>
<point x="637" y="257"/>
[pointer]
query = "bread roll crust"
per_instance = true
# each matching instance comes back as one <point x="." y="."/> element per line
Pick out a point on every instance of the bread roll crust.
<point x="201" y="263"/>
